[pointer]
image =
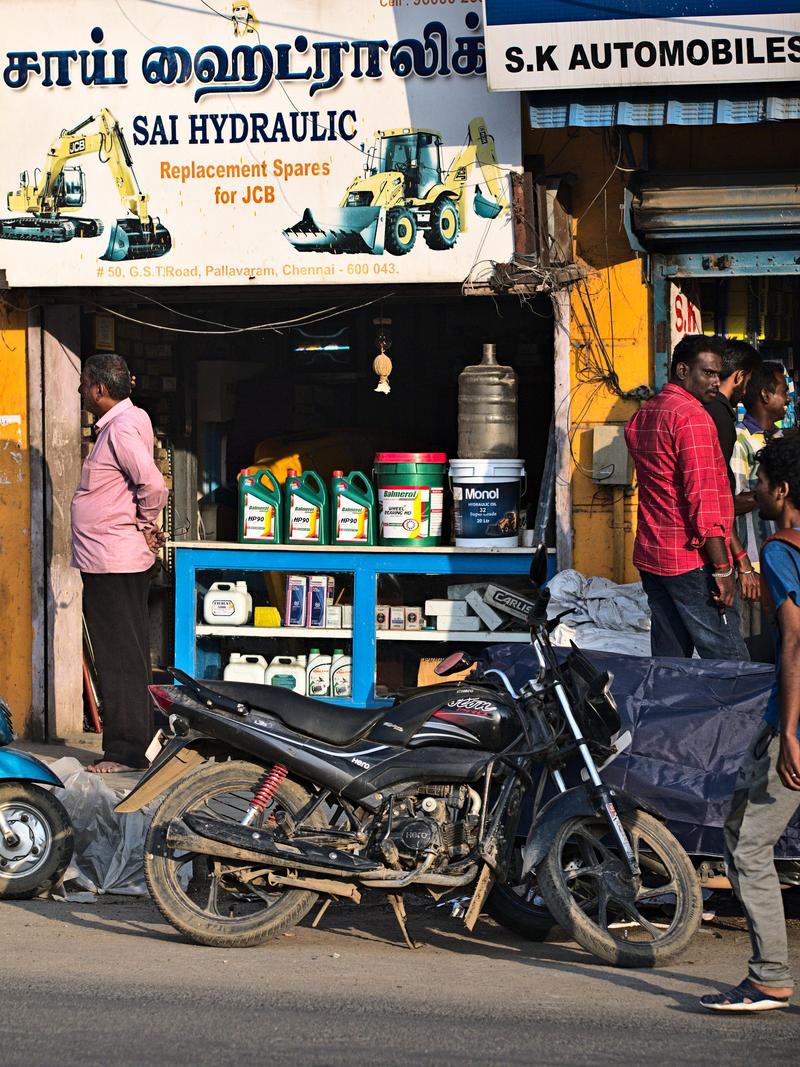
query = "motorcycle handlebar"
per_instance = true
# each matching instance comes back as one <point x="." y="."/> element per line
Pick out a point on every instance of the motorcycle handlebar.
<point x="539" y="610"/>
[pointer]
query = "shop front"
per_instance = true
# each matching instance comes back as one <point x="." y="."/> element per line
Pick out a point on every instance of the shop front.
<point x="274" y="225"/>
<point x="677" y="123"/>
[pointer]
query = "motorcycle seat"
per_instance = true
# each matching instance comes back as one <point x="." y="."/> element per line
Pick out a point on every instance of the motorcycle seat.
<point x="337" y="725"/>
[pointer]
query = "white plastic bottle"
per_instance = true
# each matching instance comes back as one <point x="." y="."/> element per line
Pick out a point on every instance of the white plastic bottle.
<point x="286" y="672"/>
<point x="318" y="674"/>
<point x="226" y="604"/>
<point x="341" y="674"/>
<point x="245" y="668"/>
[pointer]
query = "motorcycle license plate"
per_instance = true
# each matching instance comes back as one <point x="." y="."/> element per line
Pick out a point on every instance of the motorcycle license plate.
<point x="155" y="746"/>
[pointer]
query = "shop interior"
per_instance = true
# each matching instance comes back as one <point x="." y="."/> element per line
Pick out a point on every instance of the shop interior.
<point x="232" y="381"/>
<point x="763" y="310"/>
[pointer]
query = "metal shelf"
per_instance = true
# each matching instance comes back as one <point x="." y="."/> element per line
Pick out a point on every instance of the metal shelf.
<point x="482" y="636"/>
<point x="479" y="636"/>
<point x="271" y="631"/>
<point x="197" y="656"/>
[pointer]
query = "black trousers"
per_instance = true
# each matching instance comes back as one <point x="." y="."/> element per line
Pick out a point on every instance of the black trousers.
<point x="115" y="608"/>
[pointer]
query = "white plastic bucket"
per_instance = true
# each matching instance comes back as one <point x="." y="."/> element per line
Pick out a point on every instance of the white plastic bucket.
<point x="486" y="497"/>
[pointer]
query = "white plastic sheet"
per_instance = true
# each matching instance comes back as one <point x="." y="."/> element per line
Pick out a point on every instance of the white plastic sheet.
<point x="603" y="615"/>
<point x="108" y="847"/>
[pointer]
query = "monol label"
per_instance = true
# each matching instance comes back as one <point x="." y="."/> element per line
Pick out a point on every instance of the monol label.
<point x="488" y="510"/>
<point x="410" y="513"/>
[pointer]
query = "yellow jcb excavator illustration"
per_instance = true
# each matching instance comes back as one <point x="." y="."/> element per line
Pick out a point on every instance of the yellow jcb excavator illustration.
<point x="404" y="192"/>
<point x="61" y="189"/>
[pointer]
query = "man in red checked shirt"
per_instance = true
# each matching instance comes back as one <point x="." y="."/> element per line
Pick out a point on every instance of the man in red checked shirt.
<point x="685" y="519"/>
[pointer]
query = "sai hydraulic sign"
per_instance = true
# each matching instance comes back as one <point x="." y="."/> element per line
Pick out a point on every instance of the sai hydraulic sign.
<point x="248" y="142"/>
<point x="574" y="44"/>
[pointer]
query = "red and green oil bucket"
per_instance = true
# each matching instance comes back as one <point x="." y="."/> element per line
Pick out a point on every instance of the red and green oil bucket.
<point x="411" y="489"/>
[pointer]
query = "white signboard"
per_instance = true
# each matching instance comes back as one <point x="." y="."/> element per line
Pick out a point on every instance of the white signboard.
<point x="572" y="44"/>
<point x="318" y="141"/>
<point x="685" y="316"/>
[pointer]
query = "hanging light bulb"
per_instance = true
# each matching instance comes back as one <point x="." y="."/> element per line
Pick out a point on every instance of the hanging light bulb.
<point x="382" y="365"/>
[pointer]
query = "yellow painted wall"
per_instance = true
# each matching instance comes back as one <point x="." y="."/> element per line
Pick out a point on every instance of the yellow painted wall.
<point x="611" y="319"/>
<point x="15" y="553"/>
<point x="616" y="302"/>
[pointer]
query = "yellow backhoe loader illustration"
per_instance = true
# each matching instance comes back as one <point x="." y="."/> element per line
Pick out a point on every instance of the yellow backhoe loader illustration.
<point x="61" y="189"/>
<point x="404" y="192"/>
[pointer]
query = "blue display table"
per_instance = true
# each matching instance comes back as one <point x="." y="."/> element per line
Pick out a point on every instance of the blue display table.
<point x="234" y="561"/>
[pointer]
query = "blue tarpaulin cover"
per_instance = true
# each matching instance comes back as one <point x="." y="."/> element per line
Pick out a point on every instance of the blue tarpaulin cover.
<point x="691" y="721"/>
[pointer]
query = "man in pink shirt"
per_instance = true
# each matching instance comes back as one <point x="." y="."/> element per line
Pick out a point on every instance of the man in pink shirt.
<point x="114" y="541"/>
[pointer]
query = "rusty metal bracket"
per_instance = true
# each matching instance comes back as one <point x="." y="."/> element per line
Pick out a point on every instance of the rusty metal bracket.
<point x="482" y="889"/>
<point x="399" y="909"/>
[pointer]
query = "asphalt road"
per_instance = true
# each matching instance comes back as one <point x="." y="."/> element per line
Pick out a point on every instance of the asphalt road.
<point x="109" y="983"/>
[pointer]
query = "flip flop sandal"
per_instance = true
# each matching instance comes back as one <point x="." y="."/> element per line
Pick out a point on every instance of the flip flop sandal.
<point x="744" y="997"/>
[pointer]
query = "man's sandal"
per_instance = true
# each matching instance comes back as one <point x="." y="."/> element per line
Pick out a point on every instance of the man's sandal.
<point x="744" y="997"/>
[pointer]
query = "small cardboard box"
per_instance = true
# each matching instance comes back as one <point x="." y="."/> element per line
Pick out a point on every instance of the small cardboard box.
<point x="296" y="600"/>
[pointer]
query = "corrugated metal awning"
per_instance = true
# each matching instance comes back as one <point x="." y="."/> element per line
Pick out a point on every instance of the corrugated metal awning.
<point x="668" y="106"/>
<point x="712" y="210"/>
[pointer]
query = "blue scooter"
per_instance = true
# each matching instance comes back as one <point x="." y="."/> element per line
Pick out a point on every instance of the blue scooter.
<point x="36" y="840"/>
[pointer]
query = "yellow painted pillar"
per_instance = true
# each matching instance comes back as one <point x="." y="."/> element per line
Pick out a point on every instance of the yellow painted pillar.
<point x="15" y="520"/>
<point x="610" y="333"/>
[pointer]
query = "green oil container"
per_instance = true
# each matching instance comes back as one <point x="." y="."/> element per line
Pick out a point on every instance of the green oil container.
<point x="306" y="519"/>
<point x="260" y="508"/>
<point x="352" y="509"/>
<point x="411" y="497"/>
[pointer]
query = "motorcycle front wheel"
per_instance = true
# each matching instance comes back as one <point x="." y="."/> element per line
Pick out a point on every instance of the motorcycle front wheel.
<point x="36" y="860"/>
<point x="208" y="899"/>
<point x="585" y="883"/>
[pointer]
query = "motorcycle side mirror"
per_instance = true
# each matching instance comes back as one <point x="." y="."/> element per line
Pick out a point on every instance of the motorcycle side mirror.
<point x="459" y="661"/>
<point x="538" y="571"/>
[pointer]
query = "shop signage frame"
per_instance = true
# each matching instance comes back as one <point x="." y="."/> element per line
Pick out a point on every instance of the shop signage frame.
<point x="252" y="135"/>
<point x="572" y="44"/>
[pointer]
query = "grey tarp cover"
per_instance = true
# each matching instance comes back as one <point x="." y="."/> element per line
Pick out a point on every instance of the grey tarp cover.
<point x="691" y="721"/>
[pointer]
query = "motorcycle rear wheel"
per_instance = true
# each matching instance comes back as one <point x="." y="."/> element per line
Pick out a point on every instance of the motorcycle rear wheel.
<point x="207" y="905"/>
<point x="583" y="883"/>
<point x="46" y="844"/>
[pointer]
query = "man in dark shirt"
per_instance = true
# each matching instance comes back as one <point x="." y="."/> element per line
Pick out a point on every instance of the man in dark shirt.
<point x="739" y="361"/>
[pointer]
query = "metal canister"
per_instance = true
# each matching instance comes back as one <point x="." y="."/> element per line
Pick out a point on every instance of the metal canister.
<point x="487" y="409"/>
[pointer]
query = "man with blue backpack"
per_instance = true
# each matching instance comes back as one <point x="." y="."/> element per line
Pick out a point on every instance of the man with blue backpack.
<point x="767" y="792"/>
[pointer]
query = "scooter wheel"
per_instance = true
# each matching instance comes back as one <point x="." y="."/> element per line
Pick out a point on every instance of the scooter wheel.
<point x="44" y="845"/>
<point x="515" y="908"/>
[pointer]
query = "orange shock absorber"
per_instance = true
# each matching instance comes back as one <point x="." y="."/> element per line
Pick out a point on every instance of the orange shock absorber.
<point x="264" y="792"/>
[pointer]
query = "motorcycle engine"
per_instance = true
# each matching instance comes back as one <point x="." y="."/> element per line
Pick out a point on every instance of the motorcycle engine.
<point x="415" y="836"/>
<point x="438" y="821"/>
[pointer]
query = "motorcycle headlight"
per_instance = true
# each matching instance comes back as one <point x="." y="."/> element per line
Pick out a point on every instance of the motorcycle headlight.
<point x="594" y="705"/>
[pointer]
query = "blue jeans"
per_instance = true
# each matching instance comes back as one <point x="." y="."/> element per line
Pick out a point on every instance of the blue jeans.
<point x="685" y="617"/>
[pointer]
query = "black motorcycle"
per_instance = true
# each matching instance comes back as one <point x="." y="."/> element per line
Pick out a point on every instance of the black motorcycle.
<point x="272" y="800"/>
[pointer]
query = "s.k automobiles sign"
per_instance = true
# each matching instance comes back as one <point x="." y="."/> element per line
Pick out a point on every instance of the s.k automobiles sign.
<point x="577" y="44"/>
